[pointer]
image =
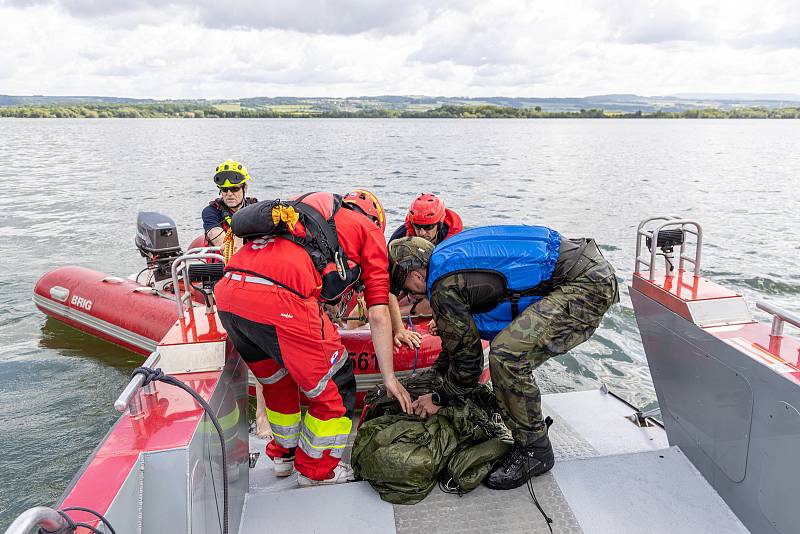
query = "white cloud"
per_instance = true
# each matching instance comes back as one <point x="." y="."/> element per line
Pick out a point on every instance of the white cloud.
<point x="205" y="49"/>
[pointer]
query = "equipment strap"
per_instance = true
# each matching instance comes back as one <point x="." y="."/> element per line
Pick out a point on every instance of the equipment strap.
<point x="266" y="278"/>
<point x="581" y="263"/>
<point x="322" y="240"/>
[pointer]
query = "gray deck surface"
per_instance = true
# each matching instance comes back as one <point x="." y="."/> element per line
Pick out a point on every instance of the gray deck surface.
<point x="655" y="492"/>
<point x="610" y="476"/>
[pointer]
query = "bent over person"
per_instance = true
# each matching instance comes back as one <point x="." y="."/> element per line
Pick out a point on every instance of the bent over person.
<point x="270" y="302"/>
<point x="431" y="220"/>
<point x="533" y="293"/>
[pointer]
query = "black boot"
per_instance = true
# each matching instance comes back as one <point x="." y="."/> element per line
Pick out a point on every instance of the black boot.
<point x="520" y="464"/>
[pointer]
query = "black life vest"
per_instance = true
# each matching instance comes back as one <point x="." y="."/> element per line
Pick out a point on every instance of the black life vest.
<point x="320" y="241"/>
<point x="226" y="212"/>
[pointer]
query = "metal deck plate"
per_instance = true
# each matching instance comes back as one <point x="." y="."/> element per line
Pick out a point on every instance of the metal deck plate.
<point x="654" y="492"/>
<point x="485" y="510"/>
<point x="599" y="420"/>
<point x="567" y="443"/>
<point x="649" y="489"/>
<point x="339" y="509"/>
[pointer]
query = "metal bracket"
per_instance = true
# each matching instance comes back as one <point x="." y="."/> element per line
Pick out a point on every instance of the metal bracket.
<point x="180" y="269"/>
<point x="130" y="396"/>
<point x="686" y="225"/>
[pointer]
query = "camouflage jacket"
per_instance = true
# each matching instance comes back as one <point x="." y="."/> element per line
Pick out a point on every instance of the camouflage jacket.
<point x="453" y="300"/>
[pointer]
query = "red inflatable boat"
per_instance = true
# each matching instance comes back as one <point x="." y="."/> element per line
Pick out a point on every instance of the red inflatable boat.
<point x="138" y="318"/>
<point x="145" y="315"/>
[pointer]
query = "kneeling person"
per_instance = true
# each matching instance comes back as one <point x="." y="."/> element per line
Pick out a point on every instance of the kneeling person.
<point x="530" y="291"/>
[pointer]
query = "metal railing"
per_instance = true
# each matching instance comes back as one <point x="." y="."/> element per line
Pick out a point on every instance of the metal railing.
<point x="779" y="317"/>
<point x="130" y="396"/>
<point x="38" y="516"/>
<point x="686" y="226"/>
<point x="180" y="268"/>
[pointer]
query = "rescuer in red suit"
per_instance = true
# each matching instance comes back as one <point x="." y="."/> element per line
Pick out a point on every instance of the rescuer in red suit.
<point x="269" y="303"/>
<point x="429" y="219"/>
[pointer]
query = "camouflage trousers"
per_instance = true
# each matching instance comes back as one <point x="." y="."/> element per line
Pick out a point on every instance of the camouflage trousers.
<point x="563" y="319"/>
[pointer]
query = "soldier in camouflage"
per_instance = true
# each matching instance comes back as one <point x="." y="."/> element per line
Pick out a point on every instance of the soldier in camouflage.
<point x="583" y="286"/>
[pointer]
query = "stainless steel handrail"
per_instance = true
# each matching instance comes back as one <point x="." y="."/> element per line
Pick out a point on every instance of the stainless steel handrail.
<point x="182" y="261"/>
<point x="125" y="398"/>
<point x="779" y="316"/>
<point x="668" y="220"/>
<point x="38" y="516"/>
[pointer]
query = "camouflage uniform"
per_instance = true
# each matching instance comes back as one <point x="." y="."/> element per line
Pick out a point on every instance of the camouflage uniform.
<point x="563" y="319"/>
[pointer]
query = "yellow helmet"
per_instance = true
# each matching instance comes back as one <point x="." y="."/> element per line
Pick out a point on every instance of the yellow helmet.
<point x="231" y="173"/>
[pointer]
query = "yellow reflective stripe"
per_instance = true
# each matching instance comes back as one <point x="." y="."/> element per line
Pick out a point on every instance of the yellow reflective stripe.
<point x="322" y="447"/>
<point x="330" y="427"/>
<point x="283" y="419"/>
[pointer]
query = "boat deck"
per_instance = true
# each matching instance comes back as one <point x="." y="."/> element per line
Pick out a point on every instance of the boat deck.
<point x="610" y="476"/>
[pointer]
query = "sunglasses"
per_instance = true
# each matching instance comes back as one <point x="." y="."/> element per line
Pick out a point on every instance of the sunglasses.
<point x="425" y="227"/>
<point x="234" y="189"/>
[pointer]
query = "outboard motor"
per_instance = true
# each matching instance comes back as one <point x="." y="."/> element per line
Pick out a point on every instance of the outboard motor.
<point x="157" y="241"/>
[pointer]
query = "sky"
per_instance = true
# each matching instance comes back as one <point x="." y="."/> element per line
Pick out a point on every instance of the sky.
<point x="534" y="48"/>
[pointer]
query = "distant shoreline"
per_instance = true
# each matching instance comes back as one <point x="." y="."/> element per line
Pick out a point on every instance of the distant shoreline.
<point x="192" y="111"/>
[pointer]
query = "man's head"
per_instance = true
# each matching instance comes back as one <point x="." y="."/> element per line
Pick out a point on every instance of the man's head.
<point x="231" y="179"/>
<point x="408" y="264"/>
<point x="425" y="216"/>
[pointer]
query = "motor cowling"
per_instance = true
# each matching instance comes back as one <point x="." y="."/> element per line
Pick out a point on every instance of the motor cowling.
<point x="157" y="240"/>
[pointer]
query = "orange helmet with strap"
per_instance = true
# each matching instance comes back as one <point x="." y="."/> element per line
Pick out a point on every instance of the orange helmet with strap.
<point x="368" y="204"/>
<point x="426" y="209"/>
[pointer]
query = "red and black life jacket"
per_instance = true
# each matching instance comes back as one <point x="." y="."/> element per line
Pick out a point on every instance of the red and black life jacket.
<point x="308" y="221"/>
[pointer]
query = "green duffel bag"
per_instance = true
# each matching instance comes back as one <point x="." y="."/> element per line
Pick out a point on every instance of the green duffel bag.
<point x="401" y="456"/>
<point x="468" y="466"/>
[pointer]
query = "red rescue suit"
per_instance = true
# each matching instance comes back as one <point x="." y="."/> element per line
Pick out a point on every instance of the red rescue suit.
<point x="268" y="303"/>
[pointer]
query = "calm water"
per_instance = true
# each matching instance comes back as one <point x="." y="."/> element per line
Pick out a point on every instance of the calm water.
<point x="73" y="188"/>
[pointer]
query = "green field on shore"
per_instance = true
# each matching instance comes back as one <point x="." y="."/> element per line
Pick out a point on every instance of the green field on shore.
<point x="236" y="110"/>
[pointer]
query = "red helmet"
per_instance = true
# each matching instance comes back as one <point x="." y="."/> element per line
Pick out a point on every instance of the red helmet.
<point x="426" y="209"/>
<point x="368" y="204"/>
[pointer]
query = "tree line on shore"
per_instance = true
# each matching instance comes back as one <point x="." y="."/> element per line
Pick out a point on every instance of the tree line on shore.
<point x="193" y="110"/>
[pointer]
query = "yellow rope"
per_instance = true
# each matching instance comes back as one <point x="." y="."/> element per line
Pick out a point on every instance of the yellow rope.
<point x="228" y="245"/>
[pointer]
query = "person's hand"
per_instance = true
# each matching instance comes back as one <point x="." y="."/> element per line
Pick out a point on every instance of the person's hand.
<point x="263" y="428"/>
<point x="412" y="339"/>
<point x="424" y="406"/>
<point x="432" y="327"/>
<point x="396" y="391"/>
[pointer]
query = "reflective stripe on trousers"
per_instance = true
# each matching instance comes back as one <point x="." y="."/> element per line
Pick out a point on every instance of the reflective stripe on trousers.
<point x="317" y="390"/>
<point x="280" y="373"/>
<point x="285" y="428"/>
<point x="320" y="435"/>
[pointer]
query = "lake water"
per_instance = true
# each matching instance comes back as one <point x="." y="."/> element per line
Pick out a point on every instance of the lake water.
<point x="74" y="187"/>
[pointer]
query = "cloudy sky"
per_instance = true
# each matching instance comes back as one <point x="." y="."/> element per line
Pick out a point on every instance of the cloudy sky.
<point x="240" y="48"/>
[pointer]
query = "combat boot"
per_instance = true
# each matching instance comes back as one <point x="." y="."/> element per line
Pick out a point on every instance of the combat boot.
<point x="522" y="463"/>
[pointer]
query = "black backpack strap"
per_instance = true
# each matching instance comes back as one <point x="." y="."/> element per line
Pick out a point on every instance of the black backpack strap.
<point x="322" y="241"/>
<point x="515" y="296"/>
<point x="541" y="290"/>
